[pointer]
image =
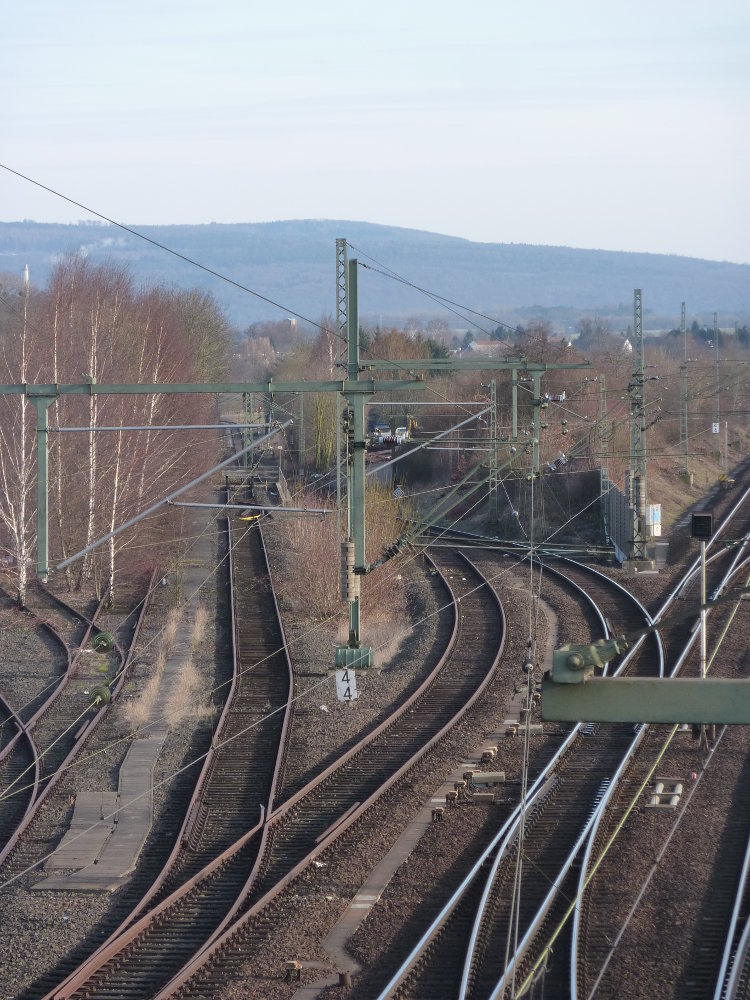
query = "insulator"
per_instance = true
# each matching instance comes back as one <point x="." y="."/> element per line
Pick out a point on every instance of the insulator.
<point x="102" y="642"/>
<point x="349" y="579"/>
<point x="100" y="695"/>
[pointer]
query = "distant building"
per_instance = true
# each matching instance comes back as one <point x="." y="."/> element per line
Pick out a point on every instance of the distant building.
<point x="485" y="349"/>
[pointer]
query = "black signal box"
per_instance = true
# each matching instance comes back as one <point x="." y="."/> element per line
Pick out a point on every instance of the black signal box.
<point x="702" y="526"/>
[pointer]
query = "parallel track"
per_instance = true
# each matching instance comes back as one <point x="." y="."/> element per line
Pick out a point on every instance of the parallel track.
<point x="594" y="931"/>
<point x="57" y="722"/>
<point x="305" y="826"/>
<point x="218" y="846"/>
<point x="563" y="798"/>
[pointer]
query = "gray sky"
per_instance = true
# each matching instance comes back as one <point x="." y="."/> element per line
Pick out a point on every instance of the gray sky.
<point x="613" y="125"/>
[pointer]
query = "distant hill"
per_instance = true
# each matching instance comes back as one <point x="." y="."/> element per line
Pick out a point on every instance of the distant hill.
<point x="293" y="263"/>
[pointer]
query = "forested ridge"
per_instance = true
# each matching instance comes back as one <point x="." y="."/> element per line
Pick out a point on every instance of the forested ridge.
<point x="293" y="263"/>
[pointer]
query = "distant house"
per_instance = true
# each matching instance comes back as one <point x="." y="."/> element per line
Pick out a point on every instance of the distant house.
<point x="485" y="349"/>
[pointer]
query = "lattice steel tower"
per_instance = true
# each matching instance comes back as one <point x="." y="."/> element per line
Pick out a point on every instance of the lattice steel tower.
<point x="341" y="330"/>
<point x="638" y="436"/>
<point x="684" y="447"/>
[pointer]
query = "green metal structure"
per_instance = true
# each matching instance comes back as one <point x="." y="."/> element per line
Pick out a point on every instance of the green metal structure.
<point x="638" y="492"/>
<point x="572" y="693"/>
<point x="42" y="397"/>
<point x="356" y="389"/>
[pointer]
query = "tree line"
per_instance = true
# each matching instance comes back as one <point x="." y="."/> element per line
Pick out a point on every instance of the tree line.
<point x="91" y="323"/>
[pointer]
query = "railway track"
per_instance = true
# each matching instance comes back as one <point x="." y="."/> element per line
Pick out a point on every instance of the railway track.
<point x="559" y="978"/>
<point x="563" y="796"/>
<point x="303" y="827"/>
<point x="602" y="919"/>
<point x="649" y="747"/>
<point x="285" y="841"/>
<point x="19" y="769"/>
<point x="218" y="844"/>
<point x="55" y="723"/>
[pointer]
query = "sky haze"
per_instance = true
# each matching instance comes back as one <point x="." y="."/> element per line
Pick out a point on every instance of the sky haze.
<point x="615" y="126"/>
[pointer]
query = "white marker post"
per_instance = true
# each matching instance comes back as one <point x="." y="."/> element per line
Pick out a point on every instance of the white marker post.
<point x="346" y="685"/>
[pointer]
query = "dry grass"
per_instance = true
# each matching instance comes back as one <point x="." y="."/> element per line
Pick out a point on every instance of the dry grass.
<point x="188" y="697"/>
<point x="170" y="629"/>
<point x="199" y="626"/>
<point x="386" y="638"/>
<point x="138" y="711"/>
<point x="309" y="578"/>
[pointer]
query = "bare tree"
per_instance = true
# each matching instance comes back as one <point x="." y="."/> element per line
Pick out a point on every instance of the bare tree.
<point x="93" y="325"/>
<point x="17" y="467"/>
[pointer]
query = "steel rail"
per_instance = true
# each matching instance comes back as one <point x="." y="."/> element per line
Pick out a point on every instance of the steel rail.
<point x="21" y="730"/>
<point x="38" y="796"/>
<point x="736" y="952"/>
<point x="361" y="810"/>
<point x="57" y="685"/>
<point x="137" y="922"/>
<point x="107" y="949"/>
<point x="413" y="957"/>
<point x="130" y="930"/>
<point x="735" y="962"/>
<point x="614" y="787"/>
<point x="501" y="840"/>
<point x="584" y="881"/>
<point x="13" y="743"/>
<point x="547" y="904"/>
<point x="89" y="725"/>
<point x="567" y="863"/>
<point x="425" y="941"/>
<point x="488" y="886"/>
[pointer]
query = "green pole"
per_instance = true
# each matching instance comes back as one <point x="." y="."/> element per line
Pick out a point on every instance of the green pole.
<point x="244" y="429"/>
<point x="356" y="464"/>
<point x="42" y="403"/>
<point x="301" y="433"/>
<point x="355" y="481"/>
<point x="603" y="458"/>
<point x="514" y="402"/>
<point x="537" y="376"/>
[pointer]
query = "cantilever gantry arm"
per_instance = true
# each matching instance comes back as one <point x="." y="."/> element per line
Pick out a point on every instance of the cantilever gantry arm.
<point x="571" y="692"/>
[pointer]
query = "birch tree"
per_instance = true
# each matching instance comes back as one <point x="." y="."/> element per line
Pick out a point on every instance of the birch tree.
<point x="103" y="330"/>
<point x="17" y="454"/>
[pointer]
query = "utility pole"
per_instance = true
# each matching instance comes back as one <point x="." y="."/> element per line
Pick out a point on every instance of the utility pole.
<point x="246" y="407"/>
<point x="603" y="458"/>
<point x="684" y="446"/>
<point x="637" y="498"/>
<point x="537" y="381"/>
<point x="342" y="331"/>
<point x="493" y="435"/>
<point x="493" y="442"/>
<point x="301" y="434"/>
<point x="726" y="446"/>
<point x="355" y="565"/>
<point x="717" y="384"/>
